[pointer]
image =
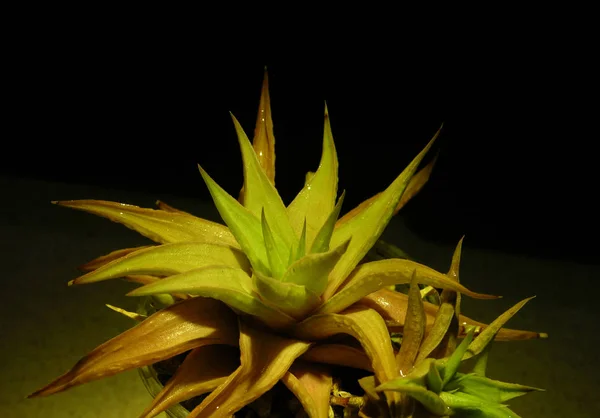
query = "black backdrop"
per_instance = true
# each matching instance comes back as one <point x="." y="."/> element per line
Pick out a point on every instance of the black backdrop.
<point x="516" y="171"/>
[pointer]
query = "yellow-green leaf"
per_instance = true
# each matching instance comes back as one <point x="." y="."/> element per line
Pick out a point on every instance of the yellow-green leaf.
<point x="311" y="384"/>
<point x="158" y="225"/>
<point x="323" y="237"/>
<point x="264" y="139"/>
<point x="260" y="193"/>
<point x="316" y="200"/>
<point x="203" y="370"/>
<point x="293" y="299"/>
<point x="370" y="277"/>
<point x="230" y="285"/>
<point x="276" y="254"/>
<point x="168" y="259"/>
<point x="429" y="399"/>
<point x="265" y="358"/>
<point x="244" y="225"/>
<point x="105" y="259"/>
<point x="488" y="334"/>
<point x="313" y="270"/>
<point x="189" y="324"/>
<point x="367" y="228"/>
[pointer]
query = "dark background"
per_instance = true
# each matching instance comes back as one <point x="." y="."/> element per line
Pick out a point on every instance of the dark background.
<point x="516" y="168"/>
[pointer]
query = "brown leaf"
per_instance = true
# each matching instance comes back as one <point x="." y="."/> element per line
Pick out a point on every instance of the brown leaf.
<point x="414" y="330"/>
<point x="392" y="306"/>
<point x="202" y="371"/>
<point x="311" y="384"/>
<point x="340" y="354"/>
<point x="170" y="331"/>
<point x="265" y="358"/>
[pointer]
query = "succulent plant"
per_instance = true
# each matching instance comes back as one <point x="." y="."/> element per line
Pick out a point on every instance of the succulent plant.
<point x="257" y="302"/>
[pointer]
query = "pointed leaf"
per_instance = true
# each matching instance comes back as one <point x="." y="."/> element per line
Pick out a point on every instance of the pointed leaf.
<point x="264" y="139"/>
<point x="434" y="380"/>
<point x="323" y="237"/>
<point x="158" y="225"/>
<point x="295" y="300"/>
<point x="133" y="315"/>
<point x="301" y="252"/>
<point x="313" y="270"/>
<point x="476" y="407"/>
<point x="316" y="200"/>
<point x="311" y="384"/>
<point x="366" y="229"/>
<point x="451" y="366"/>
<point x="245" y="226"/>
<point x="430" y="400"/>
<point x="265" y="358"/>
<point x="229" y="285"/>
<point x="488" y="389"/>
<point x="363" y="324"/>
<point x="105" y="259"/>
<point x="168" y="259"/>
<point x="260" y="193"/>
<point x="414" y="329"/>
<point x="488" y="334"/>
<point x="481" y="360"/>
<point x="275" y="254"/>
<point x="171" y="331"/>
<point x="446" y="313"/>
<point x="370" y="277"/>
<point x="414" y="186"/>
<point x="167" y="208"/>
<point x="340" y="354"/>
<point x="202" y="371"/>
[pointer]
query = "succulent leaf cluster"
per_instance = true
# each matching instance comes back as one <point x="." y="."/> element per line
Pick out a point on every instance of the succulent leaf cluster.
<point x="256" y="301"/>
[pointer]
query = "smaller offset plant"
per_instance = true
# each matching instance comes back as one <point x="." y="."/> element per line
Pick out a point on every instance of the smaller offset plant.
<point x="265" y="299"/>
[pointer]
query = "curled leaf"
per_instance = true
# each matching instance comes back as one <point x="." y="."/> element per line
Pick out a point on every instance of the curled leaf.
<point x="311" y="384"/>
<point x="371" y="277"/>
<point x="265" y="358"/>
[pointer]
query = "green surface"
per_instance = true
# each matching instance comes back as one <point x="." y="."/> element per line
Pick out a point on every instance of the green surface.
<point x="46" y="326"/>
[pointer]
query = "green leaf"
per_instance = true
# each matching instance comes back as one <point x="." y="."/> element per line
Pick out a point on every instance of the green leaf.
<point x="476" y="407"/>
<point x="451" y="366"/>
<point x="265" y="358"/>
<point x="243" y="224"/>
<point x="181" y="327"/>
<point x="430" y="400"/>
<point x="260" y="193"/>
<point x="488" y="334"/>
<point x="370" y="277"/>
<point x="323" y="237"/>
<point x="168" y="259"/>
<point x="301" y="252"/>
<point x="160" y="226"/>
<point x="293" y="299"/>
<point x="488" y="389"/>
<point x="316" y="200"/>
<point x="313" y="270"/>
<point x="434" y="380"/>
<point x="414" y="329"/>
<point x="366" y="229"/>
<point x="275" y="254"/>
<point x="480" y="365"/>
<point x="229" y="285"/>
